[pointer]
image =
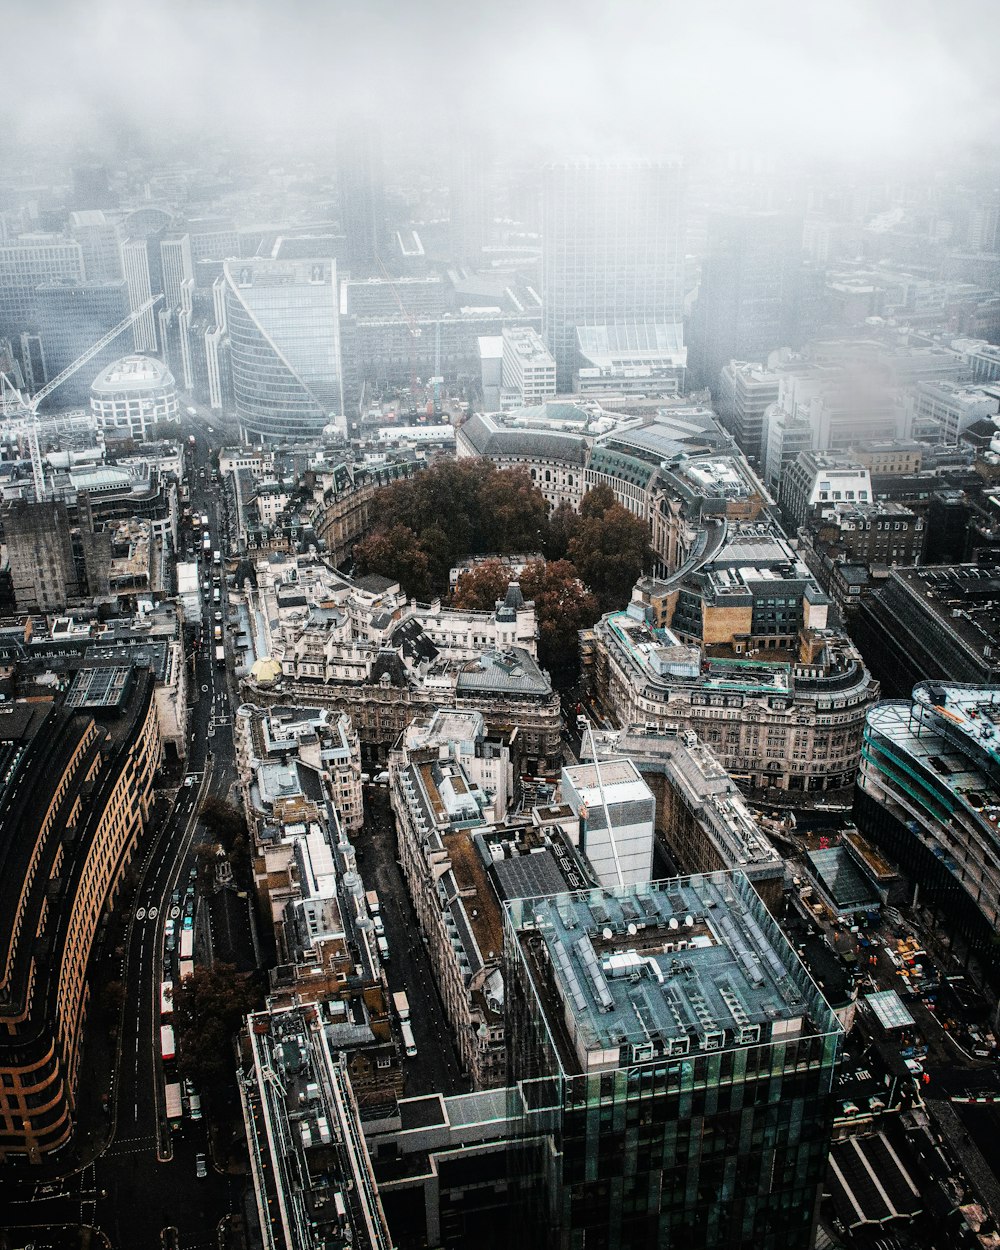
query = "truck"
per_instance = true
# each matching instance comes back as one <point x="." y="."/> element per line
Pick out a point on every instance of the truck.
<point x="175" y="1106"/>
<point x="204" y="519"/>
<point x="383" y="949"/>
<point x="187" y="944"/>
<point x="216" y="557"/>
<point x="374" y="907"/>
<point x="399" y="1001"/>
<point x="167" y="998"/>
<point x="409" y="1045"/>
<point x="192" y="412"/>
<point x="220" y="656"/>
<point x="218" y="633"/>
<point x="167" y="1051"/>
<point x="185" y="968"/>
<point x="206" y="543"/>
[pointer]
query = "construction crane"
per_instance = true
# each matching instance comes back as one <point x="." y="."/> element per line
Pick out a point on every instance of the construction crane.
<point x="25" y="411"/>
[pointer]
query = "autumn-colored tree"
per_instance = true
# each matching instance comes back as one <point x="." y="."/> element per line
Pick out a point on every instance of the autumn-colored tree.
<point x="224" y="819"/>
<point x="563" y="606"/>
<point x="610" y="550"/>
<point x="453" y="509"/>
<point x="209" y="1007"/>
<point x="395" y="553"/>
<point x="561" y="528"/>
<point x="513" y="512"/>
<point x="479" y="589"/>
<point x="597" y="501"/>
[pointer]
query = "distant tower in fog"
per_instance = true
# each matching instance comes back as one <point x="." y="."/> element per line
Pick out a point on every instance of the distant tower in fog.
<point x="362" y="193"/>
<point x="470" y="198"/>
<point x="747" y="294"/>
<point x="612" y="251"/>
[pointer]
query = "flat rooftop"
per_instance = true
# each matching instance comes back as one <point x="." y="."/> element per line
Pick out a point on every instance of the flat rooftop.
<point x="668" y="968"/>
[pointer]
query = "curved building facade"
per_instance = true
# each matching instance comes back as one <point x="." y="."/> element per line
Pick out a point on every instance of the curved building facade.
<point x="284" y="334"/>
<point x="132" y="395"/>
<point x="928" y="795"/>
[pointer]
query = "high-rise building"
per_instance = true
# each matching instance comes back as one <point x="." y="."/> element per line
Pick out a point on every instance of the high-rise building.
<point x="91" y="187"/>
<point x="612" y="251"/>
<point x="135" y="266"/>
<point x="746" y="293"/>
<point x="25" y="263"/>
<point x="175" y="257"/>
<point x="469" y="195"/>
<point x="926" y="796"/>
<point x="101" y="246"/>
<point x="744" y="392"/>
<point x="671" y="1063"/>
<point x="362" y="193"/>
<point x="53" y="562"/>
<point x="70" y="317"/>
<point x="284" y="333"/>
<point x="528" y="372"/>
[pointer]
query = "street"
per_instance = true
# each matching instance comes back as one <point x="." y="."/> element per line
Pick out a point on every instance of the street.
<point x="125" y="1173"/>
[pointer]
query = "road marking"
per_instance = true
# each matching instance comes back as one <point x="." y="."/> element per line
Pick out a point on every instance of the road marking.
<point x="140" y="913"/>
<point x="152" y="913"/>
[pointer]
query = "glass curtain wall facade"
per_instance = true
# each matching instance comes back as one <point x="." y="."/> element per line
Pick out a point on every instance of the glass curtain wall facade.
<point x="928" y="795"/>
<point x="686" y="1104"/>
<point x="284" y="334"/>
<point x="612" y="251"/>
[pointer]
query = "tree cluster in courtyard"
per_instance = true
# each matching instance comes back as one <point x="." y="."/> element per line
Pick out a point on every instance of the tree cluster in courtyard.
<point x="469" y="507"/>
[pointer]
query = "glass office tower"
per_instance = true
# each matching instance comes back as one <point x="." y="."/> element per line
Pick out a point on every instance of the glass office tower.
<point x="671" y="1068"/>
<point x="284" y="333"/>
<point x="928" y="795"/>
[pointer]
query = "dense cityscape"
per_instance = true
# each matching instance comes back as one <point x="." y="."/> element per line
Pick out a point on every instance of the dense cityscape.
<point x="499" y="636"/>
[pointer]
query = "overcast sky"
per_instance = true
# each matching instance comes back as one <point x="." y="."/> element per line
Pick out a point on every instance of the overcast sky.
<point x="835" y="77"/>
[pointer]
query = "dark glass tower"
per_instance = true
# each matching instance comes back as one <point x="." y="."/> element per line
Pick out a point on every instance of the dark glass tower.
<point x="671" y="1068"/>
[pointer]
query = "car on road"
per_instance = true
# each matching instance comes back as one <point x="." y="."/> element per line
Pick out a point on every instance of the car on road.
<point x="914" y="1067"/>
<point x="200" y="1166"/>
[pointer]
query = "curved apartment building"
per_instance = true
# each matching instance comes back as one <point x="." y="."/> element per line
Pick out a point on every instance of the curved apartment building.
<point x="77" y="790"/>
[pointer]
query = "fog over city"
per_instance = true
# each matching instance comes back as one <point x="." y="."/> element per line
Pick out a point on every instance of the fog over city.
<point x="500" y="625"/>
<point x="854" y="79"/>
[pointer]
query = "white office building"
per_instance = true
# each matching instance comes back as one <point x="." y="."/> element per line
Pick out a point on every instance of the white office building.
<point x="528" y="374"/>
<point x="615" y="809"/>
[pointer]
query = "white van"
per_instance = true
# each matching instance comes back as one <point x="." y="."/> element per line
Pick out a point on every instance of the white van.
<point x="383" y="949"/>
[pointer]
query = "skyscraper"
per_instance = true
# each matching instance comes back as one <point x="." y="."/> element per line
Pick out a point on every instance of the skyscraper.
<point x="284" y="333"/>
<point x="362" y="193"/>
<point x="671" y="1068"/>
<point x="70" y="317"/>
<point x="25" y="263"/>
<point x="612" y="251"/>
<point x="469" y="195"/>
<point x="747" y="291"/>
<point x="101" y="247"/>
<point x="135" y="266"/>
